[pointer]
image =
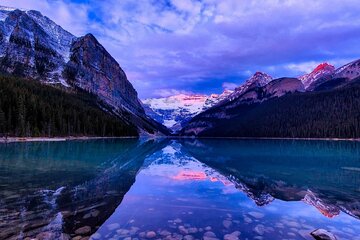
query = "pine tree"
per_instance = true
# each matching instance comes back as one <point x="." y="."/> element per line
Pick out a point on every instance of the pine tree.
<point x="2" y="121"/>
<point x="21" y="116"/>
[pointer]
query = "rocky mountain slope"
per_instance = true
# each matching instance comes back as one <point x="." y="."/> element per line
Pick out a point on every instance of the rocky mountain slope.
<point x="259" y="79"/>
<point x="175" y="111"/>
<point x="328" y="107"/>
<point x="33" y="46"/>
<point x="349" y="71"/>
<point x="320" y="74"/>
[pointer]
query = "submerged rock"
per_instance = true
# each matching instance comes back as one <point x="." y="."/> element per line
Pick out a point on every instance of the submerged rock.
<point x="178" y="220"/>
<point x="150" y="234"/>
<point x="45" y="235"/>
<point x="256" y="215"/>
<point x="183" y="230"/>
<point x="113" y="226"/>
<point x="83" y="230"/>
<point x="96" y="236"/>
<point x="208" y="228"/>
<point x="123" y="232"/>
<point x="193" y="230"/>
<point x="188" y="237"/>
<point x="165" y="233"/>
<point x="227" y="224"/>
<point x="209" y="236"/>
<point x="259" y="229"/>
<point x="232" y="236"/>
<point x="322" y="234"/>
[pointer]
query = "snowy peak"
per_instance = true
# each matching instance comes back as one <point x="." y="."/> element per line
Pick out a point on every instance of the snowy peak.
<point x="322" y="71"/>
<point x="193" y="103"/>
<point x="214" y="99"/>
<point x="323" y="67"/>
<point x="36" y="43"/>
<point x="6" y="9"/>
<point x="61" y="39"/>
<point x="259" y="79"/>
<point x="175" y="110"/>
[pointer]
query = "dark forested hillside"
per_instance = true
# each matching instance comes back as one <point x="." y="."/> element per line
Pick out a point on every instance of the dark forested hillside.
<point x="331" y="113"/>
<point x="29" y="108"/>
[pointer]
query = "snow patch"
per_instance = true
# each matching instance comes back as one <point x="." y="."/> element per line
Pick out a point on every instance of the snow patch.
<point x="174" y="110"/>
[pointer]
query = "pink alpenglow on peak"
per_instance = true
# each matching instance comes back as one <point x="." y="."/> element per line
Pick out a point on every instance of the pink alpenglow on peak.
<point x="322" y="71"/>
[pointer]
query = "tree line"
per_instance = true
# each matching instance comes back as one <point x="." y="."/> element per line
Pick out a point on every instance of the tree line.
<point x="325" y="114"/>
<point x="31" y="109"/>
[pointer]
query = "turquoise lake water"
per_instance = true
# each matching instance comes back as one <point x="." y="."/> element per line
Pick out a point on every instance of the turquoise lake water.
<point x="179" y="189"/>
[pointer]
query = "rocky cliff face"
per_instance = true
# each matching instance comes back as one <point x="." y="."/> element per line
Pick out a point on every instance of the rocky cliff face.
<point x="28" y="50"/>
<point x="282" y="86"/>
<point x="92" y="68"/>
<point x="33" y="46"/>
<point x="259" y="79"/>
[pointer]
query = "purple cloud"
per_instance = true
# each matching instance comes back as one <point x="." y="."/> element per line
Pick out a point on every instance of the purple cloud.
<point x="202" y="45"/>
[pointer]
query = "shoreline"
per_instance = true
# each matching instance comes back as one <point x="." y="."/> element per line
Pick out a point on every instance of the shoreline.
<point x="62" y="139"/>
<point x="285" y="138"/>
<point x="54" y="139"/>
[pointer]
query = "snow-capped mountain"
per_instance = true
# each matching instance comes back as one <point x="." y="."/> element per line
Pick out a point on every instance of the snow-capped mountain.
<point x="41" y="46"/>
<point x="225" y="110"/>
<point x="259" y="79"/>
<point x="319" y="75"/>
<point x="214" y="99"/>
<point x="349" y="71"/>
<point x="33" y="46"/>
<point x="284" y="102"/>
<point x="175" y="110"/>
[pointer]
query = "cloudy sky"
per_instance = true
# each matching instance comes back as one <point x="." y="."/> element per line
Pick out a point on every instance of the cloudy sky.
<point x="203" y="46"/>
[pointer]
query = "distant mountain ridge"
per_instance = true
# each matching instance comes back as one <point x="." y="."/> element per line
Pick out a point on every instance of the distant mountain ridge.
<point x="323" y="103"/>
<point x="33" y="46"/>
<point x="175" y="111"/>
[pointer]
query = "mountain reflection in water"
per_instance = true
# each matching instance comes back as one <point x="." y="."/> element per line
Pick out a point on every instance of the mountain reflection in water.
<point x="179" y="189"/>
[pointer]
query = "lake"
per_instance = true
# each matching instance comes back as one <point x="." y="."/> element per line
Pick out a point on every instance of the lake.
<point x="179" y="189"/>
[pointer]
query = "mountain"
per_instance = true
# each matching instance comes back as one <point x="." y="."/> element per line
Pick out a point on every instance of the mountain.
<point x="275" y="88"/>
<point x="319" y="75"/>
<point x="327" y="108"/>
<point x="33" y="46"/>
<point x="259" y="79"/>
<point x="214" y="99"/>
<point x="175" y="111"/>
<point x="349" y="71"/>
<point x="341" y="77"/>
<point x="252" y="96"/>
